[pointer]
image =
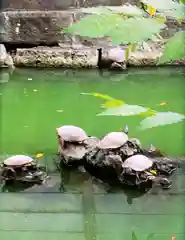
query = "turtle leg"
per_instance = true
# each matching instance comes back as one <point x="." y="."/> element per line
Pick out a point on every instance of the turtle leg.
<point x="164" y="182"/>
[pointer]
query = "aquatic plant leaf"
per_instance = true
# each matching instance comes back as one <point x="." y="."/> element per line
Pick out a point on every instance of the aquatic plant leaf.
<point x="134" y="30"/>
<point x="127" y="53"/>
<point x="94" y="25"/>
<point x="182" y="1"/>
<point x="161" y="4"/>
<point x="174" y="48"/>
<point x="95" y="10"/>
<point x="149" y="112"/>
<point x="100" y="95"/>
<point x="134" y="237"/>
<point x="125" y="10"/>
<point x="112" y="103"/>
<point x="123" y="110"/>
<point x="161" y="119"/>
<point x="151" y="10"/>
<point x="130" y="11"/>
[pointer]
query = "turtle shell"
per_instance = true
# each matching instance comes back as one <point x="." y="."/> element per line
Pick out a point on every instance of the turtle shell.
<point x="117" y="55"/>
<point x="113" y="140"/>
<point x="138" y="163"/>
<point x="18" y="160"/>
<point x="72" y="133"/>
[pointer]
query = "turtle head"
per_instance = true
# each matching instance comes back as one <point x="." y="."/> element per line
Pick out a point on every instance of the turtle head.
<point x="125" y="129"/>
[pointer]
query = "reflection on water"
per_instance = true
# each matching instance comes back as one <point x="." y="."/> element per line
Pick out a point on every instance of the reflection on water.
<point x="35" y="102"/>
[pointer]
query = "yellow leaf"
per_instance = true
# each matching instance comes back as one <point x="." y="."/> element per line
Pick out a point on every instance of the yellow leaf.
<point x="179" y="21"/>
<point x="133" y="47"/>
<point x="150" y="112"/>
<point x="160" y="19"/>
<point x="127" y="52"/>
<point x="39" y="155"/>
<point x="103" y="96"/>
<point x="162" y="104"/>
<point x="154" y="172"/>
<point x="151" y="10"/>
<point x="112" y="103"/>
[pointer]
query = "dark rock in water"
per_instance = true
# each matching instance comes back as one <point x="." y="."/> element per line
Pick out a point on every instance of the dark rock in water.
<point x="104" y="164"/>
<point x="73" y="154"/>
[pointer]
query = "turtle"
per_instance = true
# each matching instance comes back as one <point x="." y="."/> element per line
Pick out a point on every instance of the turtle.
<point x="73" y="144"/>
<point x="113" y="140"/>
<point x="22" y="168"/>
<point x="120" y="142"/>
<point x="114" y="61"/>
<point x="137" y="172"/>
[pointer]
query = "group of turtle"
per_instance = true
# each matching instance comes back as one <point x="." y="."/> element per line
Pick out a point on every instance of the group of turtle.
<point x="114" y="159"/>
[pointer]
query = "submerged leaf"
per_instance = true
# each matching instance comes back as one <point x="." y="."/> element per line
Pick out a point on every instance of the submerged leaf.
<point x="174" y="48"/>
<point x="123" y="110"/>
<point x="134" y="30"/>
<point x="112" y="103"/>
<point x="134" y="237"/>
<point x="151" y="235"/>
<point x="161" y="119"/>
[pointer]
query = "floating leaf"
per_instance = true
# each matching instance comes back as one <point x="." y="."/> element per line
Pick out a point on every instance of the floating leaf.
<point x="162" y="104"/>
<point x="161" y="119"/>
<point x="39" y="155"/>
<point x="112" y="103"/>
<point x="161" y="4"/>
<point x="123" y="110"/>
<point x="134" y="30"/>
<point x="94" y="25"/>
<point x="174" y="48"/>
<point x="99" y="95"/>
<point x="149" y="112"/>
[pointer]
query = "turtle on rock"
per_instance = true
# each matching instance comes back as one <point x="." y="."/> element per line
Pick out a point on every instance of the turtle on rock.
<point x="114" y="61"/>
<point x="74" y="143"/>
<point x="105" y="160"/>
<point x="21" y="168"/>
<point x="137" y="171"/>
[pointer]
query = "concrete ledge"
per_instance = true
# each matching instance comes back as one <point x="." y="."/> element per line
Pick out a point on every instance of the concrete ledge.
<point x="79" y="58"/>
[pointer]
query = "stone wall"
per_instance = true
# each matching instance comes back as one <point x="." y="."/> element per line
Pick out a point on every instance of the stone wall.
<point x="56" y="4"/>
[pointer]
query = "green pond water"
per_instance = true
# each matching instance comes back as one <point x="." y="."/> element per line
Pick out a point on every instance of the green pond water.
<point x="35" y="102"/>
